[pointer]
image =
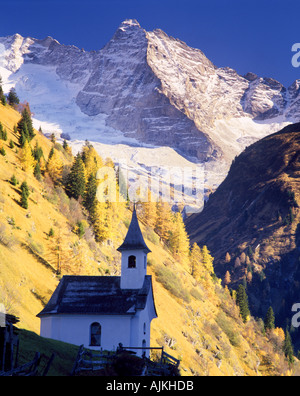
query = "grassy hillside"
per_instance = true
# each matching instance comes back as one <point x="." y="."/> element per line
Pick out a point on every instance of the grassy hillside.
<point x="197" y="322"/>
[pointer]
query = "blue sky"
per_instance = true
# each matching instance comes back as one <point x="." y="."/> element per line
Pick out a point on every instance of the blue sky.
<point x="254" y="36"/>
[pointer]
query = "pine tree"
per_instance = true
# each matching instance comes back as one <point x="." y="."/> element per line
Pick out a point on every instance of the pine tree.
<point x="2" y="96"/>
<point x="242" y="302"/>
<point x="288" y="347"/>
<point x="3" y="133"/>
<point x="65" y="145"/>
<point x="22" y="139"/>
<point x="13" y="97"/>
<point x="53" y="138"/>
<point x="25" y="125"/>
<point x="24" y="195"/>
<point x="270" y="320"/>
<point x="38" y="152"/>
<point x="75" y="186"/>
<point x="91" y="192"/>
<point x="51" y="153"/>
<point x="37" y="172"/>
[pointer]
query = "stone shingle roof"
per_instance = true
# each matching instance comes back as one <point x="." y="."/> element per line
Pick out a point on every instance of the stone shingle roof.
<point x="96" y="295"/>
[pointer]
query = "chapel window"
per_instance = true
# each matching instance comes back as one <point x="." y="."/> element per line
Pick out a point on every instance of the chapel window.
<point x="95" y="334"/>
<point x="131" y="262"/>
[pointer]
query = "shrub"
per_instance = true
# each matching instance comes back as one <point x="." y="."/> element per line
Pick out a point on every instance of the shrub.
<point x="196" y="294"/>
<point x="228" y="329"/>
<point x="5" y="239"/>
<point x="152" y="236"/>
<point x="14" y="181"/>
<point x="36" y="247"/>
<point x="51" y="233"/>
<point x="172" y="283"/>
<point x="79" y="229"/>
<point x="128" y="365"/>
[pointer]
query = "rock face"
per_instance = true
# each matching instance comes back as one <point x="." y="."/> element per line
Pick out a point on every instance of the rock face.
<point x="158" y="90"/>
<point x="124" y="86"/>
<point x="254" y="217"/>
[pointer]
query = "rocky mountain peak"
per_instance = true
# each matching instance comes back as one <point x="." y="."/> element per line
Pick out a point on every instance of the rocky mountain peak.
<point x="129" y="24"/>
<point x="159" y="91"/>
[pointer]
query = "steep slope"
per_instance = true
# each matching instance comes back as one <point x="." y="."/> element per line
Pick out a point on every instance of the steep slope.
<point x="254" y="216"/>
<point x="198" y="324"/>
<point x="146" y="88"/>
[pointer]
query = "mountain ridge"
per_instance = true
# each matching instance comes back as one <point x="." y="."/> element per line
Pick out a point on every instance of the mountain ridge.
<point x="251" y="223"/>
<point x="159" y="91"/>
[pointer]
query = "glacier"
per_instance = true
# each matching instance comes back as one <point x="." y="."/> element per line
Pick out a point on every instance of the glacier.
<point x="149" y="102"/>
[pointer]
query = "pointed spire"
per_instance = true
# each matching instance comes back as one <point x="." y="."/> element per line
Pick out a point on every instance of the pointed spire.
<point x="134" y="239"/>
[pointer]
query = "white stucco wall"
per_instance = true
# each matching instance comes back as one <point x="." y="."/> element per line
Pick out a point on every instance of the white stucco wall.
<point x="75" y="329"/>
<point x="133" y="278"/>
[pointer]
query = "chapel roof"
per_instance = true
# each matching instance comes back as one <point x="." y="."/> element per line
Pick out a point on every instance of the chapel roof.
<point x="134" y="239"/>
<point x="96" y="295"/>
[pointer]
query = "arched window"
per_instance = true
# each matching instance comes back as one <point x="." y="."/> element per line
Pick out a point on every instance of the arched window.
<point x="131" y="262"/>
<point x="144" y="328"/>
<point x="95" y="334"/>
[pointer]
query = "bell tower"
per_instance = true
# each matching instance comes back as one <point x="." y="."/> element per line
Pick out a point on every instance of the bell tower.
<point x="134" y="256"/>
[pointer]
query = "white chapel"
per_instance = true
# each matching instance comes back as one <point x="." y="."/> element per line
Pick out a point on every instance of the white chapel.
<point x="104" y="311"/>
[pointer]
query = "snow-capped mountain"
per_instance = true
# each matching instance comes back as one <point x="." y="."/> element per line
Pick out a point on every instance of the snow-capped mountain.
<point x="146" y="90"/>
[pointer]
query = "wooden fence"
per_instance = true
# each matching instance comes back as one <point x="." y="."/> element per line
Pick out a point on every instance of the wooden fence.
<point x="27" y="370"/>
<point x="9" y="348"/>
<point x="9" y="356"/>
<point x="92" y="361"/>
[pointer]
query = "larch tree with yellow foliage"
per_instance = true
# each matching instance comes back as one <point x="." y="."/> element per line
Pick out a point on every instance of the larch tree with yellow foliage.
<point x="55" y="167"/>
<point x="179" y="241"/>
<point x="92" y="160"/>
<point x="201" y="263"/>
<point x="26" y="158"/>
<point x="164" y="222"/>
<point x="195" y="261"/>
<point x="59" y="252"/>
<point x="149" y="214"/>
<point x="207" y="260"/>
<point x="99" y="219"/>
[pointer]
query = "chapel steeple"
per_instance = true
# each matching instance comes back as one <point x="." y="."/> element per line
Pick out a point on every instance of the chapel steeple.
<point x="134" y="256"/>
